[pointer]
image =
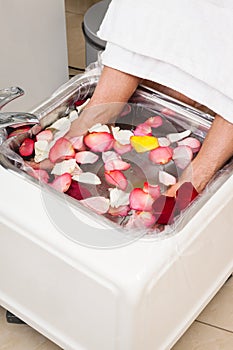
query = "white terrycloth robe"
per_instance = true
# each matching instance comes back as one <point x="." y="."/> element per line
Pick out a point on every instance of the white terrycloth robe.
<point x="184" y="44"/>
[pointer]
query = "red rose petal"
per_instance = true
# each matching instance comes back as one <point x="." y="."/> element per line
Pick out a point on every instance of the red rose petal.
<point x="161" y="155"/>
<point x="185" y="195"/>
<point x="62" y="182"/>
<point x="116" y="178"/>
<point x="61" y="150"/>
<point x="99" y="141"/>
<point x="140" y="200"/>
<point x="19" y="131"/>
<point x="27" y="148"/>
<point x="77" y="191"/>
<point x="164" y="209"/>
<point x="79" y="103"/>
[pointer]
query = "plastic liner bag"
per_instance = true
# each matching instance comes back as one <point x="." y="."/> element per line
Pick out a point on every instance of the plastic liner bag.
<point x="172" y="117"/>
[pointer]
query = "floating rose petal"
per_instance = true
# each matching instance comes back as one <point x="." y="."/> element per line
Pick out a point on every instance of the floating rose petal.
<point x="178" y="136"/>
<point x="77" y="143"/>
<point x="193" y="143"/>
<point x="80" y="107"/>
<point x="45" y="135"/>
<point x="66" y="166"/>
<point x="121" y="149"/>
<point x="118" y="198"/>
<point x="109" y="156"/>
<point x="154" y="122"/>
<point x="77" y="191"/>
<point x="116" y="178"/>
<point x="19" y="131"/>
<point x="182" y="156"/>
<point x="100" y="205"/>
<point x="73" y="116"/>
<point x="164" y="209"/>
<point x="99" y="141"/>
<point x="163" y="142"/>
<point x="61" y="124"/>
<point x="122" y="136"/>
<point x="168" y="112"/>
<point x="41" y="175"/>
<point x="27" y="148"/>
<point x="143" y="144"/>
<point x="142" y="130"/>
<point x="87" y="178"/>
<point x="86" y="157"/>
<point x="62" y="149"/>
<point x="99" y="128"/>
<point x="116" y="164"/>
<point x="141" y="219"/>
<point x="161" y="155"/>
<point x="140" y="200"/>
<point x="185" y="195"/>
<point x="61" y="183"/>
<point x="120" y="211"/>
<point x="46" y="164"/>
<point x="166" y="179"/>
<point x="126" y="110"/>
<point x="41" y="150"/>
<point x="79" y="103"/>
<point x="153" y="190"/>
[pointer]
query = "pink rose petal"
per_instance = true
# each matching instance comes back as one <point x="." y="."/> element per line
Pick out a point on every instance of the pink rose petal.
<point x="62" y="182"/>
<point x="45" y="135"/>
<point x="116" y="178"/>
<point x="77" y="143"/>
<point x="166" y="179"/>
<point x="27" y="148"/>
<point x="143" y="129"/>
<point x="140" y="200"/>
<point x="153" y="190"/>
<point x="182" y="156"/>
<point x="99" y="141"/>
<point x="110" y="155"/>
<point x="99" y="205"/>
<point x="141" y="219"/>
<point x="161" y="155"/>
<point x="120" y="211"/>
<point x="86" y="157"/>
<point x="193" y="143"/>
<point x="121" y="149"/>
<point x="116" y="164"/>
<point x="41" y="175"/>
<point x="154" y="122"/>
<point x="61" y="150"/>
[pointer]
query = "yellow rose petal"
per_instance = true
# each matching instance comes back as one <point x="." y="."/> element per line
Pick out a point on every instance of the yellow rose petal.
<point x="144" y="143"/>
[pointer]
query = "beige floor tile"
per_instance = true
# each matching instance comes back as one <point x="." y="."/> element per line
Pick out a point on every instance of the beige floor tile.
<point x="204" y="337"/>
<point x="75" y="40"/>
<point x="22" y="337"/>
<point x="78" y="6"/>
<point x="219" y="312"/>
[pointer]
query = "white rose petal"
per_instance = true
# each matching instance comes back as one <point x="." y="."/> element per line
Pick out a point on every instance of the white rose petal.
<point x="41" y="150"/>
<point x="122" y="136"/>
<point x="99" y="128"/>
<point x="88" y="178"/>
<point x="109" y="156"/>
<point x="67" y="166"/>
<point x="80" y="108"/>
<point x="166" y="179"/>
<point x="73" y="115"/>
<point x="178" y="136"/>
<point x="118" y="197"/>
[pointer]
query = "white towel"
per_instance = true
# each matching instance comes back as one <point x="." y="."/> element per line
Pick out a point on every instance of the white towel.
<point x="184" y="44"/>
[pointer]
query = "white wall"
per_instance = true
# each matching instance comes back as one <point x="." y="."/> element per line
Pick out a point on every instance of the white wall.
<point x="33" y="51"/>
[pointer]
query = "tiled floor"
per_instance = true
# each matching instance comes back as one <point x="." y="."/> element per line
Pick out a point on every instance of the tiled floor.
<point x="213" y="329"/>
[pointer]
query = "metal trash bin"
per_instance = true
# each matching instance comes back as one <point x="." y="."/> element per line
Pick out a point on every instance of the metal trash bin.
<point x="91" y="23"/>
